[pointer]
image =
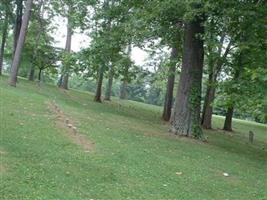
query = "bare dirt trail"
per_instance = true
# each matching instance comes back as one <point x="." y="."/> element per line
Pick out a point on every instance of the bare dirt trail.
<point x="65" y="124"/>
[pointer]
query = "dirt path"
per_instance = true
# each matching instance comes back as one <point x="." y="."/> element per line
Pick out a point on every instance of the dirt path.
<point x="65" y="124"/>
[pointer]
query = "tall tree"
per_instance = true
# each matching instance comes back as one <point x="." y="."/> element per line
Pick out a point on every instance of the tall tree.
<point x="186" y="116"/>
<point x="76" y="13"/>
<point x="20" y="44"/>
<point x="216" y="60"/>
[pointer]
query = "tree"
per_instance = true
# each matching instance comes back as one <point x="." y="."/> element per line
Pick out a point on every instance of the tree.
<point x="75" y="11"/>
<point x="216" y="60"/>
<point x="40" y="29"/>
<point x="109" y="38"/>
<point x="65" y="74"/>
<point x="20" y="44"/>
<point x="186" y="116"/>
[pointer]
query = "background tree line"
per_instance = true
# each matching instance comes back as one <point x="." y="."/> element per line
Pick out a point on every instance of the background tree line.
<point x="215" y="62"/>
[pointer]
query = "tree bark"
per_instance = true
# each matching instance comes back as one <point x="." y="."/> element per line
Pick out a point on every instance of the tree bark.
<point x="186" y="116"/>
<point x="123" y="90"/>
<point x="99" y="85"/>
<point x="124" y="85"/>
<point x="40" y="75"/>
<point x="59" y="83"/>
<point x="170" y="85"/>
<point x="230" y="110"/>
<point x="228" y="119"/>
<point x="20" y="44"/>
<point x="18" y="23"/>
<point x="3" y="43"/>
<point x="109" y="84"/>
<point x="31" y="73"/>
<point x="209" y="98"/>
<point x="65" y="77"/>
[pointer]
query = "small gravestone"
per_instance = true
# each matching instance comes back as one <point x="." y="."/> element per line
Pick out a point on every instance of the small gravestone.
<point x="251" y="137"/>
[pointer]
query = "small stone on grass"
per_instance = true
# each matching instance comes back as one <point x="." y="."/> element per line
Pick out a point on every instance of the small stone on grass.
<point x="225" y="174"/>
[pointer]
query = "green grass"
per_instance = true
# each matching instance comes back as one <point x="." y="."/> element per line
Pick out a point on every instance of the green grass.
<point x="134" y="156"/>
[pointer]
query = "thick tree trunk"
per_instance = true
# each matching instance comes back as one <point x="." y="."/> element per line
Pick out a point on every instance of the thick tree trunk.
<point x="3" y="43"/>
<point x="65" y="77"/>
<point x="186" y="116"/>
<point x="228" y="119"/>
<point x="109" y="84"/>
<point x="18" y="23"/>
<point x="20" y="44"/>
<point x="170" y="85"/>
<point x="98" y="93"/>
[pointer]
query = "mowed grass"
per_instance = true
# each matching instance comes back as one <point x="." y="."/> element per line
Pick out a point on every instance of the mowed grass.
<point x="134" y="156"/>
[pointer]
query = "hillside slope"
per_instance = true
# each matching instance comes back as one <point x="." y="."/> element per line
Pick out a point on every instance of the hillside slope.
<point x="120" y="150"/>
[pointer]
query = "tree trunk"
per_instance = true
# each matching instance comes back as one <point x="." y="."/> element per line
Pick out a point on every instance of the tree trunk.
<point x="3" y="43"/>
<point x="31" y="74"/>
<point x="32" y="69"/>
<point x="124" y="85"/>
<point x="170" y="85"/>
<point x="209" y="98"/>
<point x="186" y="116"/>
<point x="123" y="90"/>
<point x="230" y="110"/>
<point x="59" y="83"/>
<point x="65" y="77"/>
<point x="228" y="119"/>
<point x="20" y="44"/>
<point x="215" y="67"/>
<point x="99" y="85"/>
<point x="109" y="84"/>
<point x="37" y="41"/>
<point x="40" y="75"/>
<point x="18" y="23"/>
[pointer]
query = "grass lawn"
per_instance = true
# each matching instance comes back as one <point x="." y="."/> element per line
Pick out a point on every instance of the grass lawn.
<point x="133" y="156"/>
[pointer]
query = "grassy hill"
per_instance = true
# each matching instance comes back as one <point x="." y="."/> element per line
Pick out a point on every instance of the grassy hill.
<point x="120" y="150"/>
